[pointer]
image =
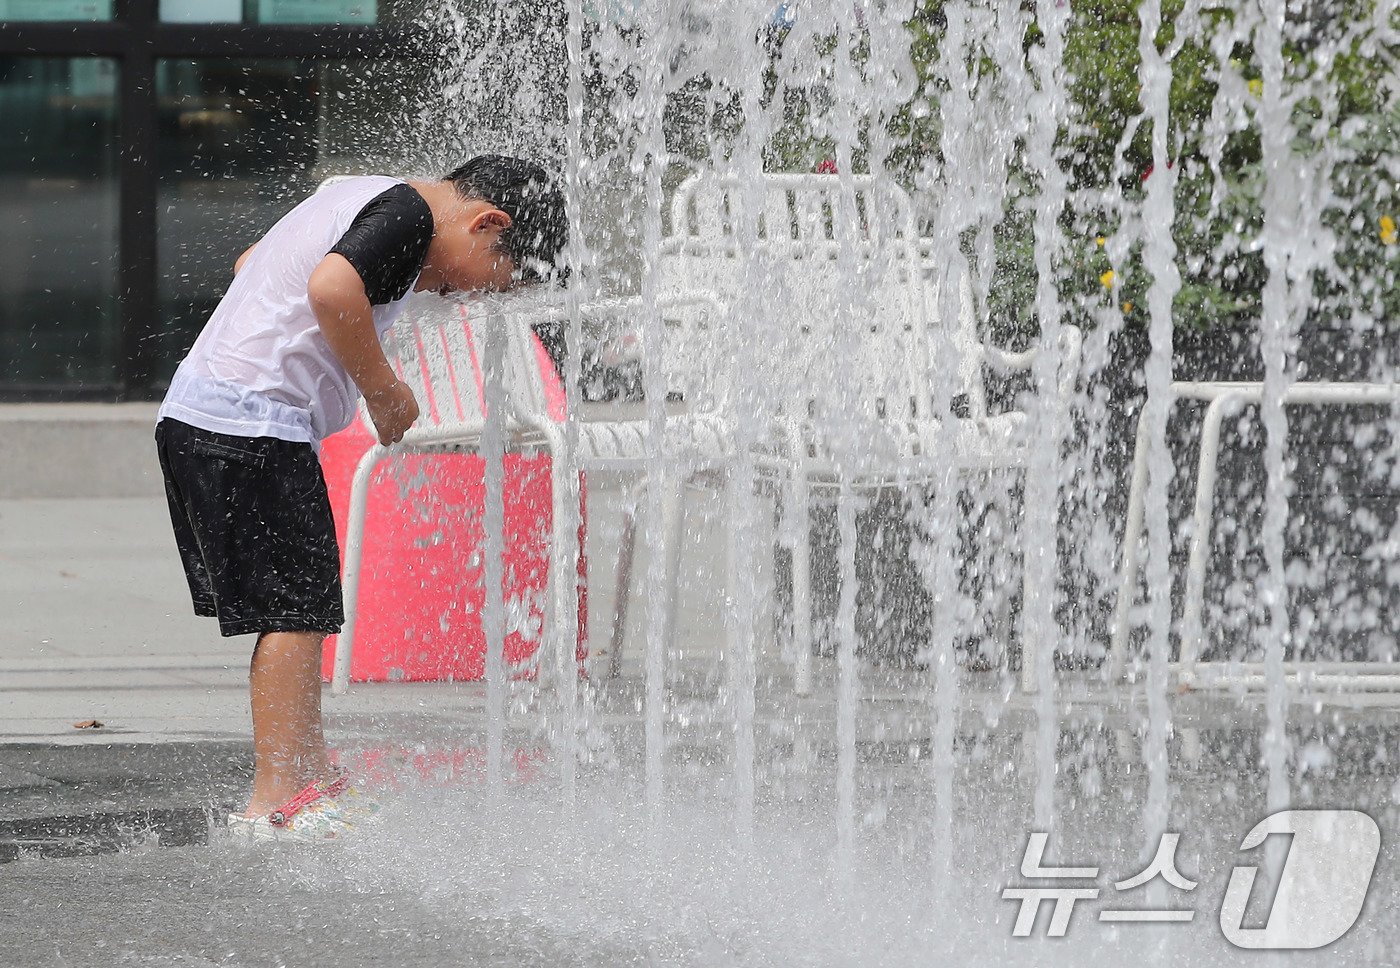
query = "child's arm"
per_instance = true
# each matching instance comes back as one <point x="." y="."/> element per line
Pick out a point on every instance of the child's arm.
<point x="337" y="296"/>
<point x="238" y="263"/>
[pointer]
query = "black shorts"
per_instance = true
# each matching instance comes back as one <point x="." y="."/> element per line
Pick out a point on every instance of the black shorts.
<point x="253" y="524"/>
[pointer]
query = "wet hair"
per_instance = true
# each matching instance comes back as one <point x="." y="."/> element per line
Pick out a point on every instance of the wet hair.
<point x="539" y="228"/>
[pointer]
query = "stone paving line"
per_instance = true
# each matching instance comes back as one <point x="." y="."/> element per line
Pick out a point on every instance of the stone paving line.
<point x="101" y="629"/>
<point x="98" y="620"/>
<point x="97" y="628"/>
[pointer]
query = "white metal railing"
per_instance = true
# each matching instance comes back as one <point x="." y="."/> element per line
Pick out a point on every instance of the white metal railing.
<point x="1222" y="398"/>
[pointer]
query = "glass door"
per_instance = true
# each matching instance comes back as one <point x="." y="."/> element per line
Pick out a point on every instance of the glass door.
<point x="59" y="312"/>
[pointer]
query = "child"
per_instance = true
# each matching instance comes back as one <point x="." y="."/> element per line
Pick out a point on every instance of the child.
<point x="278" y="367"/>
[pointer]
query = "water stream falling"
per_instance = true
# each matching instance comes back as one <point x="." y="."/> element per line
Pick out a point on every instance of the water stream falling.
<point x="493" y="616"/>
<point x="847" y="686"/>
<point x="663" y="476"/>
<point x="567" y="635"/>
<point x="1159" y="253"/>
<point x="1039" y="627"/>
<point x="1276" y="328"/>
<point x="960" y="252"/>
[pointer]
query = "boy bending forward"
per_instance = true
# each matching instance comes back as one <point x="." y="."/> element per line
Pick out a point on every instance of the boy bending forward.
<point x="280" y="366"/>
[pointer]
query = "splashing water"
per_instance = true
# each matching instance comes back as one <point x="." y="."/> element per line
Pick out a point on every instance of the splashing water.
<point x="961" y="265"/>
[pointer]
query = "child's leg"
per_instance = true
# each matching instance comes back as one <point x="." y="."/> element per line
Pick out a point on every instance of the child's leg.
<point x="289" y="750"/>
<point x="254" y="527"/>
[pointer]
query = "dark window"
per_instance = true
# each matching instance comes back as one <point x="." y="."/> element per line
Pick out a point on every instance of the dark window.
<point x="240" y="142"/>
<point x="140" y="156"/>
<point x="59" y="314"/>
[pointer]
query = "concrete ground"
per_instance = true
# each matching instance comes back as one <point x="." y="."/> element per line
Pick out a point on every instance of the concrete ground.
<point x="111" y="849"/>
<point x="98" y="629"/>
<point x="98" y="624"/>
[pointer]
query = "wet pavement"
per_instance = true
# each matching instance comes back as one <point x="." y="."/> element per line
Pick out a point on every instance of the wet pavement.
<point x="452" y="875"/>
<point x="205" y="906"/>
<point x="66" y="801"/>
<point x="112" y="848"/>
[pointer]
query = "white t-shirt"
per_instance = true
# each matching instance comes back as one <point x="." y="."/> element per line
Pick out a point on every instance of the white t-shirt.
<point x="261" y="367"/>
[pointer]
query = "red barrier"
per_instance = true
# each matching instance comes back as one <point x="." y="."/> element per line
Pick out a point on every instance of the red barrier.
<point x="421" y="589"/>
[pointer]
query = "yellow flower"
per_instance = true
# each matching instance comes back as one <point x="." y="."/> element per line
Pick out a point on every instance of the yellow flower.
<point x="1388" y="232"/>
<point x="1256" y="87"/>
<point x="1107" y="278"/>
<point x="1127" y="307"/>
<point x="1100" y="241"/>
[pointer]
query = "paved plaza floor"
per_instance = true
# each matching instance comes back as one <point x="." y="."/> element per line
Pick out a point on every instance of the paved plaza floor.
<point x="112" y="850"/>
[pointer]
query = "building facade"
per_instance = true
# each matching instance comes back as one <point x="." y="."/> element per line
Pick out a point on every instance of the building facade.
<point x="144" y="144"/>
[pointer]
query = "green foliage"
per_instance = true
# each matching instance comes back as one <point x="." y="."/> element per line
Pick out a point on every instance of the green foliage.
<point x="1340" y="81"/>
<point x="1219" y="210"/>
